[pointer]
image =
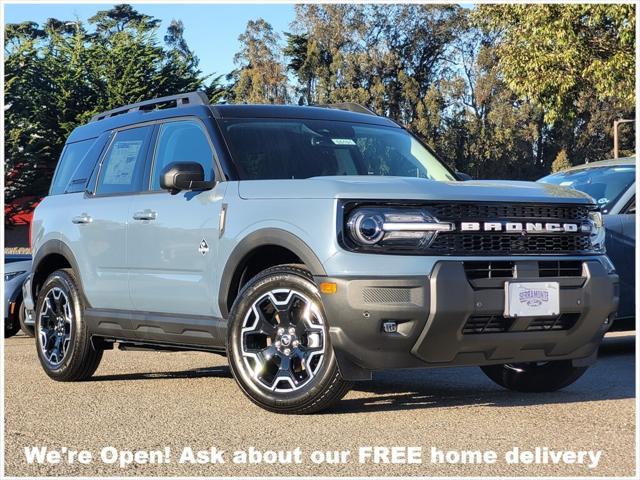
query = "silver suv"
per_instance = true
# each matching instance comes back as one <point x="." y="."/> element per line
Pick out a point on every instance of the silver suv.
<point x="311" y="246"/>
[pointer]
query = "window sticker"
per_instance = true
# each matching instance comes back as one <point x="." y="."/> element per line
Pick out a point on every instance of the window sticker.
<point x="122" y="162"/>
<point x="343" y="141"/>
<point x="603" y="200"/>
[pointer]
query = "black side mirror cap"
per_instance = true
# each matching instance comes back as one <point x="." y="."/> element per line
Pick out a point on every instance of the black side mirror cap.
<point x="463" y="176"/>
<point x="180" y="176"/>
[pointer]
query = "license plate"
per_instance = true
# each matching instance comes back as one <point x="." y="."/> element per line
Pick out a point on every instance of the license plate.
<point x="532" y="299"/>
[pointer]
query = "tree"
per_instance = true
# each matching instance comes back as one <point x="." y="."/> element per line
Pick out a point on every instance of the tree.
<point x="303" y="61"/>
<point x="58" y="75"/>
<point x="561" y="162"/>
<point x="260" y="77"/>
<point x="557" y="54"/>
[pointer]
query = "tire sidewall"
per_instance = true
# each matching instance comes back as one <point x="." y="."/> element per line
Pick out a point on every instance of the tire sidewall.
<point x="65" y="281"/>
<point x="263" y="397"/>
<point x="11" y="327"/>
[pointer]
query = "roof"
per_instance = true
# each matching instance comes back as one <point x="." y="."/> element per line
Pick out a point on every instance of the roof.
<point x="614" y="162"/>
<point x="95" y="128"/>
<point x="298" y="112"/>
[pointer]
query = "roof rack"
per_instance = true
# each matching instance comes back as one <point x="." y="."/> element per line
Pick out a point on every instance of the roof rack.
<point x="181" y="100"/>
<point x="349" y="107"/>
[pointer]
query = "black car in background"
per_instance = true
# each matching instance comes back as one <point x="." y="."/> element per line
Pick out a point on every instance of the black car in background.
<point x="612" y="183"/>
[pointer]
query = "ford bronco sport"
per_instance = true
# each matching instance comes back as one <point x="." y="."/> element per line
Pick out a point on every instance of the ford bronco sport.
<point x="311" y="246"/>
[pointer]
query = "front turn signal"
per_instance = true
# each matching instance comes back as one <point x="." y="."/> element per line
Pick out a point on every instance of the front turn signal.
<point x="328" y="288"/>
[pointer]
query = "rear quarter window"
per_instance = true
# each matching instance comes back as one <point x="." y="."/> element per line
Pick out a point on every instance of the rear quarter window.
<point x="73" y="157"/>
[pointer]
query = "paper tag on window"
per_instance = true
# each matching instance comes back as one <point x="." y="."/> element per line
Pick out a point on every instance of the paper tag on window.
<point x="343" y="141"/>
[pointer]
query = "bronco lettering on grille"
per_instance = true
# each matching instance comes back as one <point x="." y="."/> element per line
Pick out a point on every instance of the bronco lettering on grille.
<point x="520" y="227"/>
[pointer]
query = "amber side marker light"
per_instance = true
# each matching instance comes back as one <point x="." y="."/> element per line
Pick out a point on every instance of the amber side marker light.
<point x="328" y="288"/>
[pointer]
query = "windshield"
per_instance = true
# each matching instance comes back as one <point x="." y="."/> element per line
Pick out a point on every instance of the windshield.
<point x="293" y="149"/>
<point x="604" y="184"/>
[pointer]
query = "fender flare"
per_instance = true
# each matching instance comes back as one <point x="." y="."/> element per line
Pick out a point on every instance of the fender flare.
<point x="261" y="238"/>
<point x="60" y="248"/>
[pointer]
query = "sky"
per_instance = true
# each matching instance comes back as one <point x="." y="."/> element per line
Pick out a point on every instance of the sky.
<point x="210" y="30"/>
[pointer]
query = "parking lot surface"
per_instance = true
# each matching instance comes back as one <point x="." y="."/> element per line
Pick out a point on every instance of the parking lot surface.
<point x="153" y="400"/>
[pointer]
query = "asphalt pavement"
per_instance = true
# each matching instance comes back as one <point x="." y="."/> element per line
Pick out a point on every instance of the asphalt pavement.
<point x="173" y="402"/>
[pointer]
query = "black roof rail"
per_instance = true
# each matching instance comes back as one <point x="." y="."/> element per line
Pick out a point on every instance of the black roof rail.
<point x="349" y="107"/>
<point x="181" y="100"/>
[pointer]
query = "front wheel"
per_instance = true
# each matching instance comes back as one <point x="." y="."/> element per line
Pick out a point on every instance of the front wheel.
<point x="11" y="327"/>
<point x="534" y="377"/>
<point x="278" y="345"/>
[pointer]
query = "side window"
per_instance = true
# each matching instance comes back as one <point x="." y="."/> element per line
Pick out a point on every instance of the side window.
<point x="122" y="169"/>
<point x="71" y="160"/>
<point x="182" y="141"/>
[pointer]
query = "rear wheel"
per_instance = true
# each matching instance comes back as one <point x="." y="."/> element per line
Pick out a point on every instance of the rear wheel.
<point x="278" y="346"/>
<point x="535" y="377"/>
<point x="64" y="346"/>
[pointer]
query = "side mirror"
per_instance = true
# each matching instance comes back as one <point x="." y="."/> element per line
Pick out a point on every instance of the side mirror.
<point x="463" y="176"/>
<point x="184" y="176"/>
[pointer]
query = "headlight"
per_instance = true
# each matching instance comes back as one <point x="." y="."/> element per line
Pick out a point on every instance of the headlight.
<point x="11" y="275"/>
<point x="380" y="228"/>
<point x="597" y="232"/>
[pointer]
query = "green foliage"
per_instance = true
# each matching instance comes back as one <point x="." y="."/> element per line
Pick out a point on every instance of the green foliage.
<point x="497" y="91"/>
<point x="556" y="54"/>
<point x="561" y="162"/>
<point x="61" y="73"/>
<point x="260" y="77"/>
<point x="501" y="91"/>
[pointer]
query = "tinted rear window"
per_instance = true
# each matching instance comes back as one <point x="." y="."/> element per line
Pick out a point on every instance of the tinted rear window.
<point x="73" y="156"/>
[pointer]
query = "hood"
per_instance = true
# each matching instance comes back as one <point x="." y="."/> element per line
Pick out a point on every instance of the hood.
<point x="19" y="266"/>
<point x="400" y="188"/>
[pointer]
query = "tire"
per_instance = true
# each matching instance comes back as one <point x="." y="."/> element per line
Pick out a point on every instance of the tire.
<point x="28" y="330"/>
<point x="535" y="377"/>
<point x="11" y="327"/>
<point x="63" y="342"/>
<point x="300" y="372"/>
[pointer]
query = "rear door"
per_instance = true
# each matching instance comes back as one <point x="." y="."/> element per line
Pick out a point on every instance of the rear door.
<point x="173" y="239"/>
<point x="101" y="219"/>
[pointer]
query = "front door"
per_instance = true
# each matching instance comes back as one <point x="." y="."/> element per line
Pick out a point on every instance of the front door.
<point x="172" y="239"/>
<point x="101" y="219"/>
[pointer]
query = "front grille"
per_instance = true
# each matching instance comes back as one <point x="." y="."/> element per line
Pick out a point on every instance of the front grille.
<point x="482" y="324"/>
<point x="486" y="324"/>
<point x="475" y="211"/>
<point x="509" y="243"/>
<point x="505" y="243"/>
<point x="564" y="321"/>
<point x="478" y="270"/>
<point x="560" y="268"/>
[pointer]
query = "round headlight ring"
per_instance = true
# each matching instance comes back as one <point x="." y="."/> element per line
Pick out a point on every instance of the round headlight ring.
<point x="366" y="228"/>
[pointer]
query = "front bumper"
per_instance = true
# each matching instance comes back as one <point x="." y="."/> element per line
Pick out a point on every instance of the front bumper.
<point x="434" y="316"/>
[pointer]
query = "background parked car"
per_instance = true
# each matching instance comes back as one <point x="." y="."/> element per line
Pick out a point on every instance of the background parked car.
<point x="16" y="269"/>
<point x="612" y="184"/>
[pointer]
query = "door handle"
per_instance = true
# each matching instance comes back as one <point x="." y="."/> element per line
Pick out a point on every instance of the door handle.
<point x="145" y="215"/>
<point x="82" y="218"/>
